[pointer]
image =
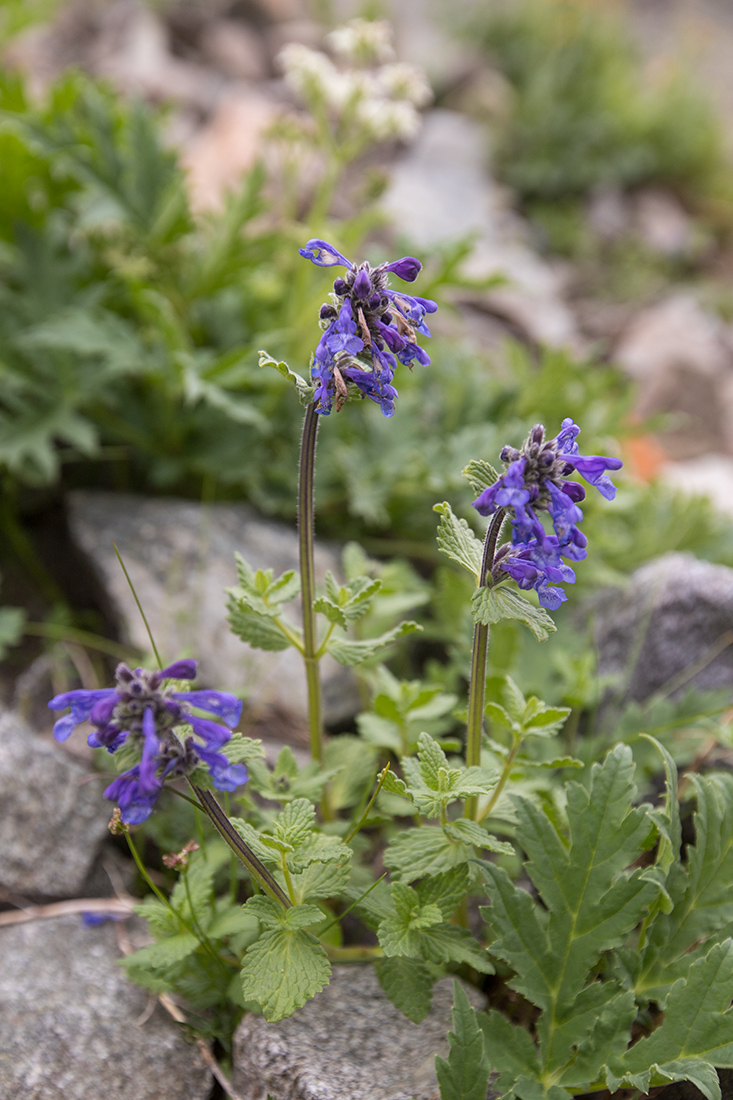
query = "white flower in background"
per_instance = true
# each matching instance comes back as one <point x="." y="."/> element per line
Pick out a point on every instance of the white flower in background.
<point x="403" y="81"/>
<point x="311" y="73"/>
<point x="370" y="97"/>
<point x="388" y="120"/>
<point x="363" y="41"/>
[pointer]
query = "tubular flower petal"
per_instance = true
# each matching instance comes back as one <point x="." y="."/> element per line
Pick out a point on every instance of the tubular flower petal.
<point x="368" y="330"/>
<point x="535" y="481"/>
<point x="143" y="711"/>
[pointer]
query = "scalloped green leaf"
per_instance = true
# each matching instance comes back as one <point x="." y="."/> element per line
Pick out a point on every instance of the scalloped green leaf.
<point x="351" y="653"/>
<point x="492" y="603"/>
<point x="480" y="475"/>
<point x="457" y="541"/>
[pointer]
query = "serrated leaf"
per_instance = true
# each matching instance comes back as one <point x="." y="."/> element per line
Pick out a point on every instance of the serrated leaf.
<point x="509" y="1049"/>
<point x="160" y="918"/>
<point x="546" y="722"/>
<point x="295" y="823"/>
<point x="591" y="901"/>
<point x="243" y="750"/>
<point x="272" y="915"/>
<point x="556" y="762"/>
<point x="516" y="704"/>
<point x="479" y="475"/>
<point x="257" y="629"/>
<point x="457" y="541"/>
<point x="283" y="970"/>
<point x="306" y="390"/>
<point x="697" y="1028"/>
<point x="470" y="832"/>
<point x="465" y="1075"/>
<point x="408" y="983"/>
<point x="700" y="892"/>
<point x="163" y="953"/>
<point x="333" y="613"/>
<point x="449" y="943"/>
<point x="351" y="653"/>
<point x="428" y="850"/>
<point x="432" y="759"/>
<point x="491" y="604"/>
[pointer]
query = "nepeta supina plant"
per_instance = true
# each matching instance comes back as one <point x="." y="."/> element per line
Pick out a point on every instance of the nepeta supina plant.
<point x="368" y="330"/>
<point x="535" y="481"/>
<point x="605" y="947"/>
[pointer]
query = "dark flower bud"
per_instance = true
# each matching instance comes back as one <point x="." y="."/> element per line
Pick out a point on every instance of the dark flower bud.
<point x="362" y="284"/>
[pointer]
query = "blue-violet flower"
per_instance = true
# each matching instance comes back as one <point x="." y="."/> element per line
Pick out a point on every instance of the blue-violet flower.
<point x="368" y="329"/>
<point x="143" y="711"/>
<point x="535" y="481"/>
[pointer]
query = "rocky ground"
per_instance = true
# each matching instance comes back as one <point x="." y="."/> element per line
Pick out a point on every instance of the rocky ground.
<point x="60" y="990"/>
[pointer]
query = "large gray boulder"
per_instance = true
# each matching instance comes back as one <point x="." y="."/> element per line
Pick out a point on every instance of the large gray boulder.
<point x="348" y="1043"/>
<point x="180" y="557"/>
<point x="53" y="820"/>
<point x="671" y="626"/>
<point x="71" y="1023"/>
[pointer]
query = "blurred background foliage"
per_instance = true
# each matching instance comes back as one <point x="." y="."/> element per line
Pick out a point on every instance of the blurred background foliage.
<point x="582" y="113"/>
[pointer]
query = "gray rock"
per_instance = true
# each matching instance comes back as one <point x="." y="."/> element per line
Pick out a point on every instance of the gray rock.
<point x="680" y="355"/>
<point x="53" y="821"/>
<point x="180" y="557"/>
<point x="663" y="224"/>
<point x="234" y="48"/>
<point x="709" y="476"/>
<point x="71" y="1022"/>
<point x="348" y="1043"/>
<point x="442" y="191"/>
<point x="668" y="625"/>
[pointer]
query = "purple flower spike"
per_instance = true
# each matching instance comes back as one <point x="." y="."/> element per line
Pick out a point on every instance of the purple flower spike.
<point x="143" y="714"/>
<point x="535" y="481"/>
<point x="368" y="330"/>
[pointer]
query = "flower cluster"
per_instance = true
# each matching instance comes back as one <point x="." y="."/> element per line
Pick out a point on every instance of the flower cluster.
<point x="375" y="99"/>
<point x="368" y="328"/>
<point x="143" y="712"/>
<point x="535" y="480"/>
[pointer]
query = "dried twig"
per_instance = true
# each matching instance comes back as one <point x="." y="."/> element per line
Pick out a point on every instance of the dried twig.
<point x="109" y="906"/>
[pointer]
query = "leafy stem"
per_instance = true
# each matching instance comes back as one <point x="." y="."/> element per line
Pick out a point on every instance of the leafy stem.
<point x="479" y="654"/>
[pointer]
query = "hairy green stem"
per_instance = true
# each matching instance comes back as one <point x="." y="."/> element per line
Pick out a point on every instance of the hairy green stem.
<point x="255" y="866"/>
<point x="477" y="686"/>
<point x="355" y="829"/>
<point x="308" y="580"/>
